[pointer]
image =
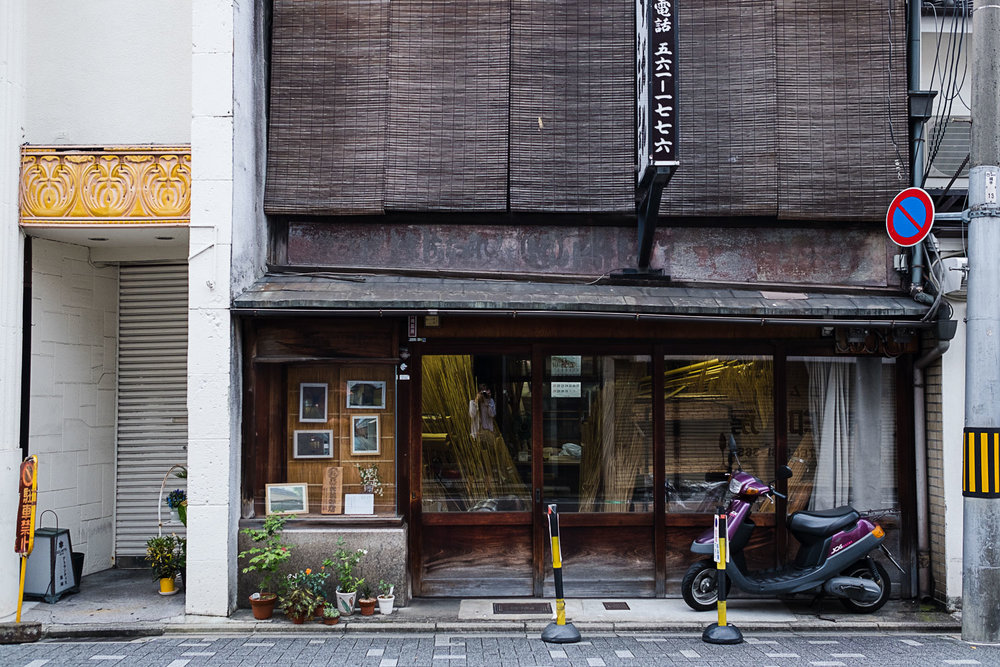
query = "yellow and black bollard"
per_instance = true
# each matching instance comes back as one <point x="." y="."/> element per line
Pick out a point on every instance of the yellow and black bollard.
<point x="722" y="632"/>
<point x="559" y="632"/>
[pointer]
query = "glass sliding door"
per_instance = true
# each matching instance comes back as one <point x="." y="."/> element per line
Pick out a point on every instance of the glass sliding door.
<point x="597" y="467"/>
<point x="476" y="526"/>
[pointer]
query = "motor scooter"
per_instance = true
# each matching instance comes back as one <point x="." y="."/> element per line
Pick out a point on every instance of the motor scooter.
<point x="833" y="556"/>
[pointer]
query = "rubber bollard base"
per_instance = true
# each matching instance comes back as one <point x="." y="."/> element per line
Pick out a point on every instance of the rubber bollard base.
<point x="560" y="634"/>
<point x="722" y="634"/>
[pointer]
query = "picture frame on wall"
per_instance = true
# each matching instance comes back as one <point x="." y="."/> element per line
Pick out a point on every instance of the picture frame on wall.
<point x="313" y="401"/>
<point x="286" y="498"/>
<point x="312" y="444"/>
<point x="364" y="435"/>
<point x="366" y="394"/>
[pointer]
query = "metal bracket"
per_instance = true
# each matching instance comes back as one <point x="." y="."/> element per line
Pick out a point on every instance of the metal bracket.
<point x="990" y="212"/>
<point x="650" y="191"/>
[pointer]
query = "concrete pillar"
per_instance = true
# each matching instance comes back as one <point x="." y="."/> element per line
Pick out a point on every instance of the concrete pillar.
<point x="213" y="378"/>
<point x="12" y="104"/>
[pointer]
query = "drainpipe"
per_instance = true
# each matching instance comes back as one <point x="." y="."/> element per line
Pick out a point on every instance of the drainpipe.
<point x="920" y="453"/>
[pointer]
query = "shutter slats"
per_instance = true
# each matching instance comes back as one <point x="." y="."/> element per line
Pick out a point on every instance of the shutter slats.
<point x="152" y="397"/>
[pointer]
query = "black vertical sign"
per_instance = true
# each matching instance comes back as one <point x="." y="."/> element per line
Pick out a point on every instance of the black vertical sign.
<point x="656" y="84"/>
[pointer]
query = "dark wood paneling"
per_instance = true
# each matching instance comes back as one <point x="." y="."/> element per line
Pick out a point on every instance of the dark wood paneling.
<point x="474" y="561"/>
<point x="659" y="475"/>
<point x="614" y="561"/>
<point x="476" y="519"/>
<point x="288" y="339"/>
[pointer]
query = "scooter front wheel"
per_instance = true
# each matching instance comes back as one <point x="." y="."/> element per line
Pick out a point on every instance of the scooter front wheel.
<point x="861" y="569"/>
<point x="700" y="586"/>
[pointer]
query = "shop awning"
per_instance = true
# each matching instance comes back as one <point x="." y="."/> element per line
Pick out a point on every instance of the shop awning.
<point x="400" y="295"/>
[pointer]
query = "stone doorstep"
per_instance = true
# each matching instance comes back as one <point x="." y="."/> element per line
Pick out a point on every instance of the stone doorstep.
<point x="20" y="633"/>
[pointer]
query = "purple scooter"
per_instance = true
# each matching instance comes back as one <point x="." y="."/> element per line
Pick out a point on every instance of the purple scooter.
<point x="833" y="555"/>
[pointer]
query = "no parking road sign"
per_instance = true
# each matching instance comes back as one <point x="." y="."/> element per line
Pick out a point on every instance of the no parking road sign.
<point x="910" y="217"/>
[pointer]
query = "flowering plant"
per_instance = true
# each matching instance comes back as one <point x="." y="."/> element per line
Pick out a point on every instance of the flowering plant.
<point x="309" y="580"/>
<point x="270" y="554"/>
<point x="370" y="477"/>
<point x="343" y="563"/>
<point x="175" y="498"/>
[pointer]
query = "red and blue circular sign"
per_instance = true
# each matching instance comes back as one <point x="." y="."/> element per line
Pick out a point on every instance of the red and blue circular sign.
<point x="910" y="217"/>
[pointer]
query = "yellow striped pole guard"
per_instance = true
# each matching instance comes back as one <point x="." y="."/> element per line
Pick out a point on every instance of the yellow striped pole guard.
<point x="981" y="463"/>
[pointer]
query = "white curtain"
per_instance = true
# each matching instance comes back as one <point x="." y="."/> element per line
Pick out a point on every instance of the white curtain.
<point x="830" y="413"/>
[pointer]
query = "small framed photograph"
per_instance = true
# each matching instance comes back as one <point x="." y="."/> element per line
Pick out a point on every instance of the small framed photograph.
<point x="364" y="434"/>
<point x="313" y="445"/>
<point x="286" y="498"/>
<point x="366" y="394"/>
<point x="312" y="401"/>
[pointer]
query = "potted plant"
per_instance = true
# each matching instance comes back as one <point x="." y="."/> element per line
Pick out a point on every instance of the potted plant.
<point x="342" y="564"/>
<point x="330" y="614"/>
<point x="165" y="557"/>
<point x="366" y="601"/>
<point x="176" y="500"/>
<point x="371" y="482"/>
<point x="385" y="597"/>
<point x="265" y="559"/>
<point x="300" y="603"/>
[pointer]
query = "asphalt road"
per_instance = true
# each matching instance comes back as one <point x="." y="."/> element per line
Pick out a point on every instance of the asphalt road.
<point x="398" y="650"/>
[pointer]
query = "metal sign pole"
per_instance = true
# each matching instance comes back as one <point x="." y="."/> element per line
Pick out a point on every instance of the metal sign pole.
<point x="559" y="632"/>
<point x="721" y="632"/>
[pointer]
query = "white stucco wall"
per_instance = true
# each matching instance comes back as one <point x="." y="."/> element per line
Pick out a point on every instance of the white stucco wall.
<point x="12" y="96"/>
<point x="74" y="315"/>
<point x="108" y="71"/>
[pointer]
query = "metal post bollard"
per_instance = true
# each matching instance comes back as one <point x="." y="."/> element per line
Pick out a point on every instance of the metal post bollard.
<point x="559" y="632"/>
<point x="721" y="632"/>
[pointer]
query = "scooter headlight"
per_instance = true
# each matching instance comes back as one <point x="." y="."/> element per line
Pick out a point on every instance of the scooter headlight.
<point x="735" y="485"/>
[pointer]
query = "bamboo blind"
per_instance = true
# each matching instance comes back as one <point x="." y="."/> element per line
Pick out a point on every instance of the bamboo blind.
<point x="448" y="87"/>
<point x="836" y="101"/>
<point x="572" y="105"/>
<point x="727" y="108"/>
<point x="329" y="107"/>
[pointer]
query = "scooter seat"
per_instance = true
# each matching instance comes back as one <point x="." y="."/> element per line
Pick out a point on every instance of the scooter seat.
<point x="822" y="523"/>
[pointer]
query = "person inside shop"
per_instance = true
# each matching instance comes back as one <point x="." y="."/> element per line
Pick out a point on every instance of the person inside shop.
<point x="482" y="412"/>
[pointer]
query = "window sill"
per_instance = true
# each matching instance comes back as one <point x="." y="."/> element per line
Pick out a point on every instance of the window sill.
<point x="321" y="521"/>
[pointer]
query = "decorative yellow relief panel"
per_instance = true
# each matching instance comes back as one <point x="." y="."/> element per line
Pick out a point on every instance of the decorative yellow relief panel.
<point x="120" y="185"/>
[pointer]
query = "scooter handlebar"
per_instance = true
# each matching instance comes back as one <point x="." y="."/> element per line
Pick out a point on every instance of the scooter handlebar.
<point x="716" y="476"/>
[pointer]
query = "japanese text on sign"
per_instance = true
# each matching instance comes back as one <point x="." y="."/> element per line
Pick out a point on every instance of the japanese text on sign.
<point x="25" y="537"/>
<point x="656" y="85"/>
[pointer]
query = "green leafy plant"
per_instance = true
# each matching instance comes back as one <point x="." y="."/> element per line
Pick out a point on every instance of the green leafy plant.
<point x="309" y="579"/>
<point x="300" y="602"/>
<point x="166" y="555"/>
<point x="343" y="564"/>
<point x="330" y="611"/>
<point x="364" y="590"/>
<point x="271" y="552"/>
<point x="385" y="589"/>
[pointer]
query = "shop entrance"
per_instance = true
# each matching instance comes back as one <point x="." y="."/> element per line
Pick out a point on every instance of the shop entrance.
<point x="504" y="435"/>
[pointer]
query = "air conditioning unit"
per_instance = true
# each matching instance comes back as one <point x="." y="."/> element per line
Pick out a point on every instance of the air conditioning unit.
<point x="955" y="276"/>
<point x="953" y="150"/>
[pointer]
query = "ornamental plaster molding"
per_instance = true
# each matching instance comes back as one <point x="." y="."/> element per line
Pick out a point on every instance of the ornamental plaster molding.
<point x="128" y="185"/>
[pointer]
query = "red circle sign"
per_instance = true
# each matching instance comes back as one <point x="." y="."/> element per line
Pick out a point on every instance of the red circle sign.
<point x="910" y="217"/>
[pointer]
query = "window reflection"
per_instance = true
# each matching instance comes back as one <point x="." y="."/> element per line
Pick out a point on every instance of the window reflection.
<point x="705" y="400"/>
<point x="598" y="448"/>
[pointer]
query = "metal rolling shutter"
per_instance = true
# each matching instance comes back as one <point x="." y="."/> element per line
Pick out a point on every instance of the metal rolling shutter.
<point x="152" y="397"/>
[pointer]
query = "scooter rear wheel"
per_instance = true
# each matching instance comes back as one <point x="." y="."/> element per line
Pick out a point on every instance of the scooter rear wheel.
<point x="700" y="586"/>
<point x="861" y="569"/>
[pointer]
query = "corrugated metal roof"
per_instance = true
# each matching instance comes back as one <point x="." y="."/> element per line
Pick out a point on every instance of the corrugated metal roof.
<point x="401" y="294"/>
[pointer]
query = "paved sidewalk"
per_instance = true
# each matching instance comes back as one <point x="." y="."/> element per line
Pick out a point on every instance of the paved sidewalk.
<point x="126" y="603"/>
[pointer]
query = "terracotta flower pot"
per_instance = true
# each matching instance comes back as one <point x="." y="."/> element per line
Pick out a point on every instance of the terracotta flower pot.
<point x="367" y="606"/>
<point x="331" y="621"/>
<point x="263" y="606"/>
<point x="297" y="620"/>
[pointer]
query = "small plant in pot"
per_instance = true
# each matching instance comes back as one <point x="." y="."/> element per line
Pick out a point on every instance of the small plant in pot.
<point x="385" y="597"/>
<point x="176" y="500"/>
<point x="300" y="603"/>
<point x="366" y="601"/>
<point x="330" y="614"/>
<point x="265" y="558"/>
<point x="342" y="563"/>
<point x="165" y="554"/>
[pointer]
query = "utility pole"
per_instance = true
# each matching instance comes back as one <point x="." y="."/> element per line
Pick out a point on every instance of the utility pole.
<point x="981" y="443"/>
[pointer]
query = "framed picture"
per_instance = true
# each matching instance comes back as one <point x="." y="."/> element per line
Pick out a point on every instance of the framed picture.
<point x="286" y="498"/>
<point x="312" y="401"/>
<point x="364" y="434"/>
<point x="312" y="445"/>
<point x="365" y="394"/>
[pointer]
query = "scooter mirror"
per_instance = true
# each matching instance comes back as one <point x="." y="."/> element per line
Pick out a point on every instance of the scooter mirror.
<point x="784" y="472"/>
